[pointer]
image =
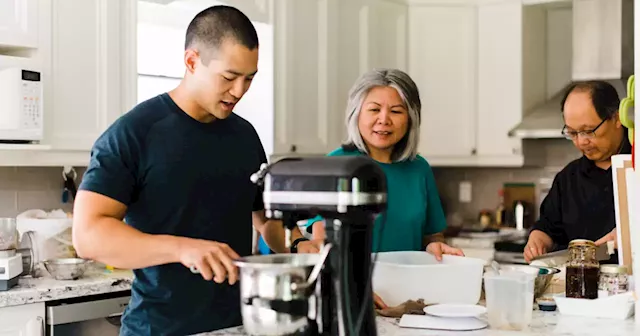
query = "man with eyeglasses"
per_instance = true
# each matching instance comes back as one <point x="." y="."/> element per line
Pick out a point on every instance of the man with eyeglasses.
<point x="580" y="203"/>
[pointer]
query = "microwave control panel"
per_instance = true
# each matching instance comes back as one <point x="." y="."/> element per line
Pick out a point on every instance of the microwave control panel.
<point x="31" y="116"/>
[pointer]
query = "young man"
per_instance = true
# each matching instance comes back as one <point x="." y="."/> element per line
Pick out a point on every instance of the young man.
<point x="179" y="166"/>
<point x="580" y="203"/>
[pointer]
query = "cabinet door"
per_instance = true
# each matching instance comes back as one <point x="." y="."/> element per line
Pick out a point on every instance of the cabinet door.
<point x="307" y="119"/>
<point x="23" y="320"/>
<point x="500" y="78"/>
<point x="387" y="34"/>
<point x="85" y="91"/>
<point x="19" y="23"/>
<point x="442" y="61"/>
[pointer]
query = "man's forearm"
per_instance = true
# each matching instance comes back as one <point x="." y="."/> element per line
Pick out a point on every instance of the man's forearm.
<point x="112" y="242"/>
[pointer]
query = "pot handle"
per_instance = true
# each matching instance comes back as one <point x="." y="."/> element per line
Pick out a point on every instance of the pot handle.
<point x="315" y="272"/>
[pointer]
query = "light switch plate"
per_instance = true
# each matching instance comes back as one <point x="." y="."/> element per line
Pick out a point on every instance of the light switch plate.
<point x="465" y="192"/>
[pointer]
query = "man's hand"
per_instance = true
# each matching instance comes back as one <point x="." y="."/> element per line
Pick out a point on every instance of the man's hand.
<point x="538" y="244"/>
<point x="309" y="246"/>
<point x="213" y="260"/>
<point x="611" y="236"/>
<point x="439" y="248"/>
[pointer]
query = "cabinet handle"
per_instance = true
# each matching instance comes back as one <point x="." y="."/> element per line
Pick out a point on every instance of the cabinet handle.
<point x="293" y="148"/>
<point x="474" y="151"/>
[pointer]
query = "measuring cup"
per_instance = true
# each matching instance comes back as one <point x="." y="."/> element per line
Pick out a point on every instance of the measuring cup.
<point x="509" y="299"/>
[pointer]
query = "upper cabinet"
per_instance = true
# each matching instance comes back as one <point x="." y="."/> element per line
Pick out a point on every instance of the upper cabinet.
<point x="19" y="23"/>
<point x="442" y="62"/>
<point x="466" y="61"/>
<point x="90" y="82"/>
<point x="321" y="47"/>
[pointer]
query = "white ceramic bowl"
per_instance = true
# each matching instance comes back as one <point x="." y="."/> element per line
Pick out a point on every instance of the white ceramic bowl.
<point x="413" y="275"/>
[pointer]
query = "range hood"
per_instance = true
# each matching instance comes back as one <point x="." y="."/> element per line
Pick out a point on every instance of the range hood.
<point x="602" y="50"/>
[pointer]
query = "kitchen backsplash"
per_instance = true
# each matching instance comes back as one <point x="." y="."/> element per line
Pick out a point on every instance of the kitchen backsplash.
<point x="543" y="158"/>
<point x="24" y="188"/>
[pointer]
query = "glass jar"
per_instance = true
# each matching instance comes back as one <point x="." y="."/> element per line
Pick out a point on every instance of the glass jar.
<point x="613" y="280"/>
<point x="583" y="270"/>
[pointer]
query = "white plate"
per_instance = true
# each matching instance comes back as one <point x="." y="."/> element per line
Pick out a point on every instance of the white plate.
<point x="455" y="310"/>
<point x="441" y="323"/>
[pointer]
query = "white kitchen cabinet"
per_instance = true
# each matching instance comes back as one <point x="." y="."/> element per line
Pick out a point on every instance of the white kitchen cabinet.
<point x="305" y="54"/>
<point x="466" y="59"/>
<point x="23" y="320"/>
<point x="91" y="78"/>
<point x="499" y="81"/>
<point x="442" y="62"/>
<point x="19" y="23"/>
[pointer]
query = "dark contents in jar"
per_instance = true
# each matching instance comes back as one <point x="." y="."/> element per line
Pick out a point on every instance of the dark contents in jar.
<point x="582" y="282"/>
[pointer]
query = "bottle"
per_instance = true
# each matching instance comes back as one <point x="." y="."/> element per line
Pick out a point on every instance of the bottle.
<point x="500" y="213"/>
<point x="583" y="270"/>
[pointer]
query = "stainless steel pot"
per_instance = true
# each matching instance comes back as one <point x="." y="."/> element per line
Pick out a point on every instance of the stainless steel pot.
<point x="278" y="292"/>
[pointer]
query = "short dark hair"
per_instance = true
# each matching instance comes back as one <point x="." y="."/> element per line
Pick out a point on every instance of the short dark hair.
<point x="213" y="25"/>
<point x="604" y="96"/>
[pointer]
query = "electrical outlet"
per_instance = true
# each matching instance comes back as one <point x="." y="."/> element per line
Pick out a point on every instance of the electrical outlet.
<point x="464" y="193"/>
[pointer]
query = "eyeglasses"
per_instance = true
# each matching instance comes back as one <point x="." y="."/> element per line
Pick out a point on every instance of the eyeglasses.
<point x="589" y="134"/>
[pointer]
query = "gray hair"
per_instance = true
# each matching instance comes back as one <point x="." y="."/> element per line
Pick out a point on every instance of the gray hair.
<point x="407" y="147"/>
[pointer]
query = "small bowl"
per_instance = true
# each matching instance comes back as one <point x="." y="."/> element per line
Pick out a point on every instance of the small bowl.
<point x="66" y="268"/>
<point x="546" y="303"/>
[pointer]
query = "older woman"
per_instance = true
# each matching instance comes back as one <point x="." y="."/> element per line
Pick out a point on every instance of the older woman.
<point x="383" y="122"/>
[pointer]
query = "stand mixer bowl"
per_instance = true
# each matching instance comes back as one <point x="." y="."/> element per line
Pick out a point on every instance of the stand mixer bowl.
<point x="8" y="234"/>
<point x="267" y="283"/>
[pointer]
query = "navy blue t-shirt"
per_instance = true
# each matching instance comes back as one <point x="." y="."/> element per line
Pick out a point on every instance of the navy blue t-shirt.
<point x="185" y="178"/>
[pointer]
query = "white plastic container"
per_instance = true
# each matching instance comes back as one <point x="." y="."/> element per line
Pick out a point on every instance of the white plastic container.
<point x="413" y="275"/>
<point x="52" y="231"/>
<point x="617" y="307"/>
<point x="509" y="298"/>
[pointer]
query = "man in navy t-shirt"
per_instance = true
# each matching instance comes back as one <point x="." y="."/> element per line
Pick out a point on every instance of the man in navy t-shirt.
<point x="177" y="168"/>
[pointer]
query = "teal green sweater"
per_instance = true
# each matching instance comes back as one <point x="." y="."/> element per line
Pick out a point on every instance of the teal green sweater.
<point x="413" y="205"/>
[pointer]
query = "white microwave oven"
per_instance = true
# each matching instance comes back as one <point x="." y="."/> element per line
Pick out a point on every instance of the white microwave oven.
<point x="21" y="117"/>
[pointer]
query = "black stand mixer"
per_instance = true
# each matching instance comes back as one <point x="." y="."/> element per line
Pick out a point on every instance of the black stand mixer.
<point x="348" y="192"/>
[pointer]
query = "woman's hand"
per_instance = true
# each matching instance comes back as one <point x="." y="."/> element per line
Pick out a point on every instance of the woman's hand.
<point x="378" y="303"/>
<point x="438" y="249"/>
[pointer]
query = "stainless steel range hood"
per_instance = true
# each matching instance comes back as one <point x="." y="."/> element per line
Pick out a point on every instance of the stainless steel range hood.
<point x="602" y="50"/>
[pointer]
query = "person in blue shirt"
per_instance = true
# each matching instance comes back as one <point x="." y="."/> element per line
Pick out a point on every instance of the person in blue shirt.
<point x="383" y="122"/>
<point x="177" y="168"/>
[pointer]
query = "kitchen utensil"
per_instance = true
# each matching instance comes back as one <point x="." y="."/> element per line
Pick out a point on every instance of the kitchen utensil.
<point x="509" y="299"/>
<point x="543" y="278"/>
<point x="455" y="310"/>
<point x="561" y="257"/>
<point x="8" y="234"/>
<point x="348" y="192"/>
<point x="523" y="194"/>
<point x="10" y="260"/>
<point x="66" y="268"/>
<point x="409" y="275"/>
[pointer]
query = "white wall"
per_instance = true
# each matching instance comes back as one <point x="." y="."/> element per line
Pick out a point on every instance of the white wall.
<point x="161" y="30"/>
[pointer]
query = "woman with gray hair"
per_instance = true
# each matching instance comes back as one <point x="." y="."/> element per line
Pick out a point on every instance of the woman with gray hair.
<point x="383" y="122"/>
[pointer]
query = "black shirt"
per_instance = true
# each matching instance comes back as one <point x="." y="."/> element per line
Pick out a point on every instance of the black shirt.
<point x="580" y="204"/>
<point x="180" y="177"/>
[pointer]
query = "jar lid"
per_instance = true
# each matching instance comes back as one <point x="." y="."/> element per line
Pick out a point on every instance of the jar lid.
<point x="613" y="269"/>
<point x="582" y="242"/>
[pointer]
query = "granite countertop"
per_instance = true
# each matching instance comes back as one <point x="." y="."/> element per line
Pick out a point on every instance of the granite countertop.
<point x="95" y="281"/>
<point x="543" y="324"/>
